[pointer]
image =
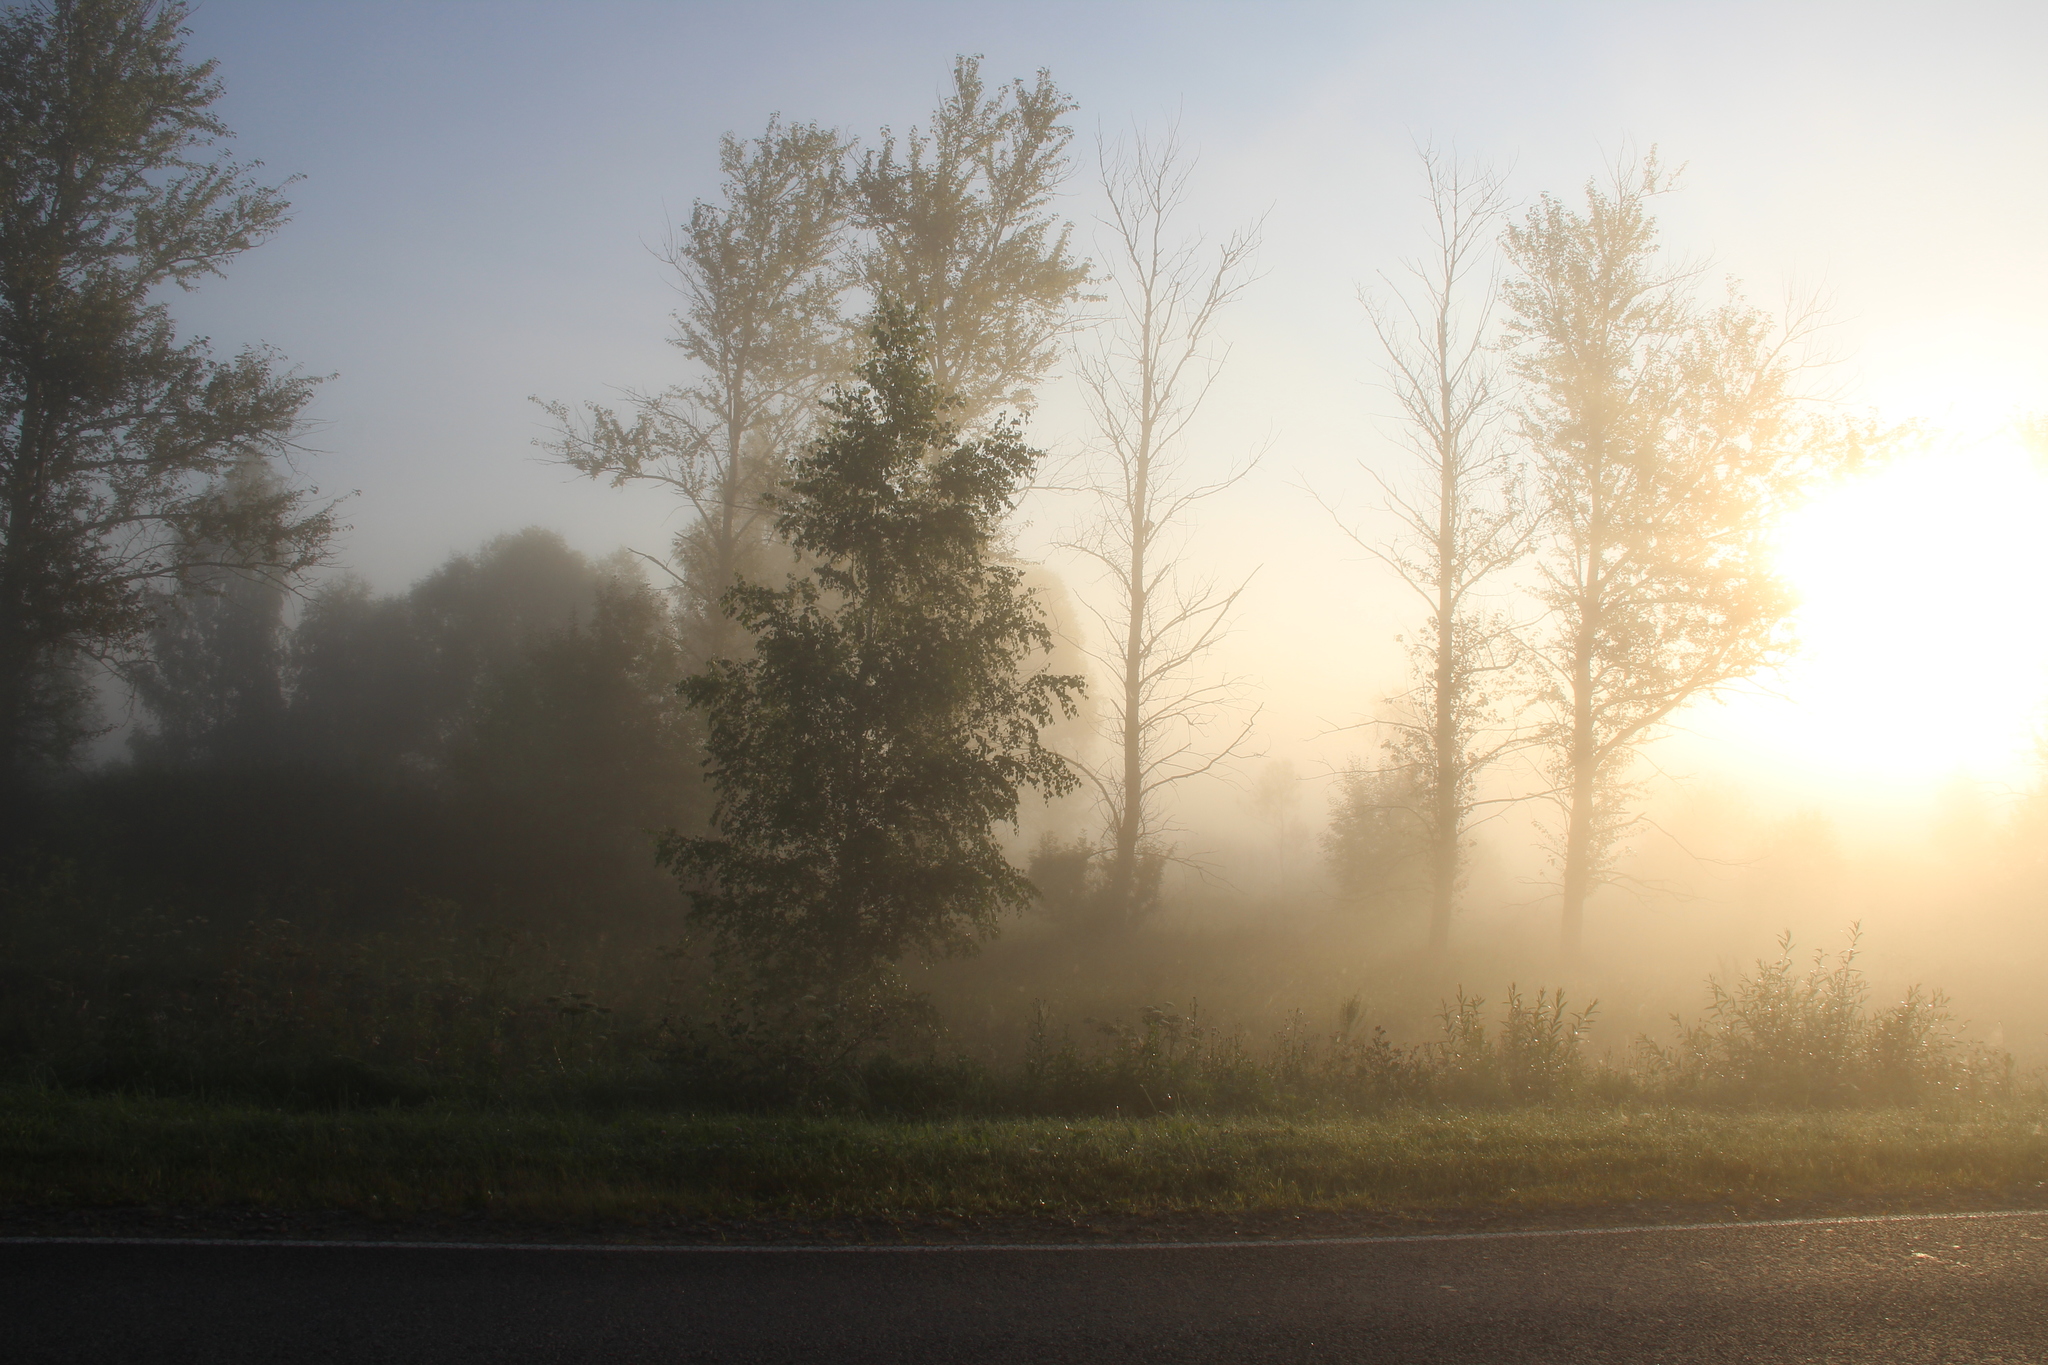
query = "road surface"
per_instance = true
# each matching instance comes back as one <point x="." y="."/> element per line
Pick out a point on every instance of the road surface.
<point x="1953" y="1289"/>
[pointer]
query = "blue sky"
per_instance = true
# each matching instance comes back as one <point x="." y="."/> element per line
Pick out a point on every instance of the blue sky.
<point x="483" y="182"/>
<point x="483" y="185"/>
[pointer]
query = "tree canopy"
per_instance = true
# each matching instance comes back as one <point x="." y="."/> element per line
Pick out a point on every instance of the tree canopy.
<point x="115" y="437"/>
<point x="889" y="714"/>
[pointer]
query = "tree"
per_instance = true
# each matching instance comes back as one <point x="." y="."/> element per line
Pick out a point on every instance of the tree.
<point x="577" y="746"/>
<point x="760" y="323"/>
<point x="959" y="234"/>
<point x="113" y="434"/>
<point x="1666" y="438"/>
<point x="387" y="686"/>
<point x="888" y="716"/>
<point x="213" y="676"/>
<point x="1461" y="524"/>
<point x="1144" y="386"/>
<point x="1377" y="844"/>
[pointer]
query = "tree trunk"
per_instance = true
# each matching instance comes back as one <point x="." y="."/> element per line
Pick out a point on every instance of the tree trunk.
<point x="17" y="629"/>
<point x="1449" y="754"/>
<point x="1131" y="818"/>
<point x="1578" y="840"/>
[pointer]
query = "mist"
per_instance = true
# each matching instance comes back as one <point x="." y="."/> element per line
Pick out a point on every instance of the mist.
<point x="461" y="716"/>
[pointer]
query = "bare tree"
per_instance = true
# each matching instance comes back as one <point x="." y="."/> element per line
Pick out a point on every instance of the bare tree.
<point x="1666" y="437"/>
<point x="760" y="323"/>
<point x="1145" y="382"/>
<point x="1462" y="521"/>
<point x="958" y="231"/>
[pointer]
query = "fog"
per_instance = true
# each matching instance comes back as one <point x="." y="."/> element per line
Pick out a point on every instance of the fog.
<point x="485" y="195"/>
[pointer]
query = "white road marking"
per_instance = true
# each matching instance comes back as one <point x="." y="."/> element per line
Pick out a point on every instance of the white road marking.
<point x="871" y="1248"/>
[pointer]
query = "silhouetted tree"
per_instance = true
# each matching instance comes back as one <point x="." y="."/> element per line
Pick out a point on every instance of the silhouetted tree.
<point x="1379" y="840"/>
<point x="889" y="714"/>
<point x="1144" y="385"/>
<point x="580" y="744"/>
<point x="760" y="326"/>
<point x="958" y="232"/>
<point x="387" y="684"/>
<point x="1665" y="438"/>
<point x="113" y="434"/>
<point x="1461" y="522"/>
<point x="212" y="679"/>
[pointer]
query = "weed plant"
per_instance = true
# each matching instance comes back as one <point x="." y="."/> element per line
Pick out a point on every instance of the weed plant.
<point x="1793" y="1037"/>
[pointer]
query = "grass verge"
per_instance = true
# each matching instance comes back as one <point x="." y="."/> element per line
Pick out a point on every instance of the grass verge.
<point x="71" y="1152"/>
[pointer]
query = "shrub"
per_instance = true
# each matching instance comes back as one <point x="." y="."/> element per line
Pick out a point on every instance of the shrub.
<point x="1783" y="1036"/>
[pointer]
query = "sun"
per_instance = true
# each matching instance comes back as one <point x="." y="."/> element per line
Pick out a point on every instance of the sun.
<point x="1923" y="617"/>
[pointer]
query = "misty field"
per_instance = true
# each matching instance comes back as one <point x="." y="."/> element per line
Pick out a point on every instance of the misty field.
<point x="970" y="758"/>
<point x="67" y="1152"/>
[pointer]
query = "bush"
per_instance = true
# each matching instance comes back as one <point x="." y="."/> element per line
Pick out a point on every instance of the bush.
<point x="1783" y="1036"/>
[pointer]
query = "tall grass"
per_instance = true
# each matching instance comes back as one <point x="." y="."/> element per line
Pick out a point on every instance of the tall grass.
<point x="158" y="1000"/>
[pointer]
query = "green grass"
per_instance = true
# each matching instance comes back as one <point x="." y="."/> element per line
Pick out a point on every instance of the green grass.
<point x="60" y="1151"/>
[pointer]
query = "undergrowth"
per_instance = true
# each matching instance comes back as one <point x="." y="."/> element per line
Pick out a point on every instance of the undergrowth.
<point x="272" y="1011"/>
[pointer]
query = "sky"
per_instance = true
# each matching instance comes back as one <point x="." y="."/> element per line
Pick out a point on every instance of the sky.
<point x="484" y="187"/>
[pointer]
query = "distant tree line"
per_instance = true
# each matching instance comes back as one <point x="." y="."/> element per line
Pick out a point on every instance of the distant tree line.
<point x="505" y="734"/>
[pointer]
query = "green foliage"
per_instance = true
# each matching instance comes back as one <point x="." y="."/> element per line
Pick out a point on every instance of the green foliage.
<point x="150" y="998"/>
<point x="212" y="680"/>
<point x="1783" y="1036"/>
<point x="1076" y="884"/>
<point x="1168" y="1062"/>
<point x="696" y="1176"/>
<point x="1378" y="841"/>
<point x="113" y="434"/>
<point x="159" y="1000"/>
<point x="761" y="328"/>
<point x="1666" y="437"/>
<point x="959" y="233"/>
<point x="890" y="712"/>
<point x="506" y="735"/>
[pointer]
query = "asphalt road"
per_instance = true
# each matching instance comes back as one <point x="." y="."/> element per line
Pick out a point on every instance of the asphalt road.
<point x="1947" y="1289"/>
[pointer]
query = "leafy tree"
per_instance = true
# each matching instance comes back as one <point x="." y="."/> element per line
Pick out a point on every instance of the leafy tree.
<point x="389" y="684"/>
<point x="959" y="233"/>
<point x="113" y="434"/>
<point x="212" y="680"/>
<point x="1665" y="437"/>
<point x="760" y="326"/>
<point x="1144" y="385"/>
<point x="579" y="745"/>
<point x="505" y="734"/>
<point x="1378" y="842"/>
<point x="1461" y="523"/>
<point x="889" y="714"/>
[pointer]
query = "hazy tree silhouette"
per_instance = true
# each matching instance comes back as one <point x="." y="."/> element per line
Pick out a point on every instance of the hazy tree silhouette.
<point x="1665" y="437"/>
<point x="387" y="684"/>
<point x="1378" y="842"/>
<point x="113" y="434"/>
<point x="212" y="679"/>
<point x="959" y="232"/>
<point x="1462" y="521"/>
<point x="889" y="714"/>
<point x="1144" y="383"/>
<point x="760" y="324"/>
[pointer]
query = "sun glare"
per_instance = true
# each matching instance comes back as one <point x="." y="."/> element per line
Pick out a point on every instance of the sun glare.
<point x="1922" y="651"/>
